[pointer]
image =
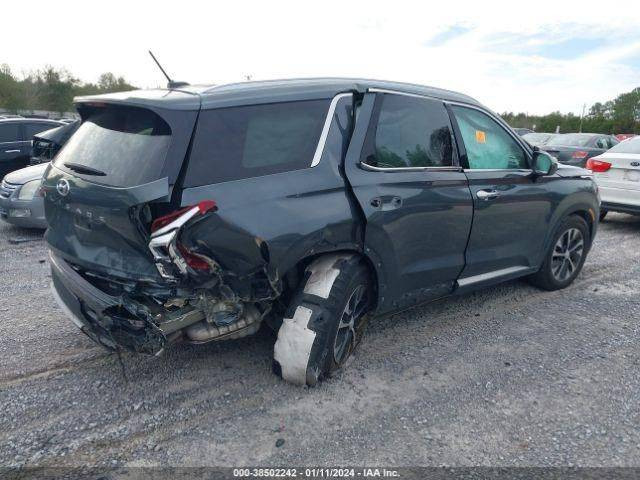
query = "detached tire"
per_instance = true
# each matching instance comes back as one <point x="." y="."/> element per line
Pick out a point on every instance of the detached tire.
<point x="565" y="256"/>
<point x="325" y="319"/>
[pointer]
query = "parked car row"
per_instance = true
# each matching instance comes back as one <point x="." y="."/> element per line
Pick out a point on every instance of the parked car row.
<point x="21" y="201"/>
<point x="16" y="136"/>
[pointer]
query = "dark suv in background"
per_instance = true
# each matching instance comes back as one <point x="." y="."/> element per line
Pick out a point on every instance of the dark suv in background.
<point x="16" y="135"/>
<point x="196" y="214"/>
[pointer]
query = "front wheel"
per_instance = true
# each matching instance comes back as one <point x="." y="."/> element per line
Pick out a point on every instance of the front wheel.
<point x="566" y="255"/>
<point x="325" y="319"/>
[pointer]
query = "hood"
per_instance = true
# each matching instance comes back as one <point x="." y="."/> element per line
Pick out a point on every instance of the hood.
<point x="571" y="171"/>
<point x="24" y="175"/>
<point x="58" y="135"/>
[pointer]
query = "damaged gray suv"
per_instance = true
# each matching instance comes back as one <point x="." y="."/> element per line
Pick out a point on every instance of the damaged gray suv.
<point x="196" y="214"/>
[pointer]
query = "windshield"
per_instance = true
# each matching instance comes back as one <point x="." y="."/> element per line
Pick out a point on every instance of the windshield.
<point x="628" y="146"/>
<point x="126" y="145"/>
<point x="571" y="140"/>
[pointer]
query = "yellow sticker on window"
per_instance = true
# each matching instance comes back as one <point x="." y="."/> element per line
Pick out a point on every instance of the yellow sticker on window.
<point x="481" y="137"/>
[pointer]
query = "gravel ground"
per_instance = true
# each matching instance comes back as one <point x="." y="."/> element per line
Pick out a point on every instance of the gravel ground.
<point x="507" y="376"/>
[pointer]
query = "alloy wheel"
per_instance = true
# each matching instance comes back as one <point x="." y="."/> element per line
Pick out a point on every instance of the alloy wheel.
<point x="567" y="254"/>
<point x="349" y="322"/>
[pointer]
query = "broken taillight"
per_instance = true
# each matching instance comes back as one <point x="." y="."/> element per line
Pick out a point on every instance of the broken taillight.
<point x="202" y="207"/>
<point x="168" y="253"/>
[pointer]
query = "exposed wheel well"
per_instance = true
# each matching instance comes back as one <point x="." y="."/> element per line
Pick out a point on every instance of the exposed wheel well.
<point x="587" y="216"/>
<point x="292" y="279"/>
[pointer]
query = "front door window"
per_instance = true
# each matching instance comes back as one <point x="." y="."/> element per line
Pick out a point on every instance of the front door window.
<point x="488" y="144"/>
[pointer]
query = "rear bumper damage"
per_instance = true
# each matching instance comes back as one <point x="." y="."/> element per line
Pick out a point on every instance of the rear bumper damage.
<point x="146" y="323"/>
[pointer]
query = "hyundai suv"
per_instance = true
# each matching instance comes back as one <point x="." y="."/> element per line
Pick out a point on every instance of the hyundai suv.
<point x="195" y="214"/>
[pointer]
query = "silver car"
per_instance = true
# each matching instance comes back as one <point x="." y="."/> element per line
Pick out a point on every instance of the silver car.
<point x="20" y="197"/>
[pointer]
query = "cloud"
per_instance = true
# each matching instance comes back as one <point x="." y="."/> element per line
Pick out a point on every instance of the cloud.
<point x="447" y="34"/>
<point x="538" y="58"/>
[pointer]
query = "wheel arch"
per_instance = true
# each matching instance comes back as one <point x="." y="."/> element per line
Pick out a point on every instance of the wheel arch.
<point x="295" y="275"/>
<point x="583" y="210"/>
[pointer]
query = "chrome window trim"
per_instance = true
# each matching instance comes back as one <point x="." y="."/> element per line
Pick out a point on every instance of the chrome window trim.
<point x="520" y="170"/>
<point x="453" y="168"/>
<point x="317" y="156"/>
<point x="406" y="94"/>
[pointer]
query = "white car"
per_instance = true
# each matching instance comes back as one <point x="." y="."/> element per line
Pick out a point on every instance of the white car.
<point x="617" y="172"/>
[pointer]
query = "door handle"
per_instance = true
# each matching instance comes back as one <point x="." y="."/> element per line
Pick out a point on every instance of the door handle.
<point x="487" y="194"/>
<point x="12" y="151"/>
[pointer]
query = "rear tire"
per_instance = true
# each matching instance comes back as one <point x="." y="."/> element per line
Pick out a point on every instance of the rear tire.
<point x="325" y="319"/>
<point x="603" y="213"/>
<point x="565" y="256"/>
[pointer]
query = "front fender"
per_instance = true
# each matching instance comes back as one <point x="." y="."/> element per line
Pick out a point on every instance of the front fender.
<point x="583" y="201"/>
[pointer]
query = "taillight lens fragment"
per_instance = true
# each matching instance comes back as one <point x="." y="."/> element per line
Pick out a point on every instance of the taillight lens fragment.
<point x="203" y="207"/>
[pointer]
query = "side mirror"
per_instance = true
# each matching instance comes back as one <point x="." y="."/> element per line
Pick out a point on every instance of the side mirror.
<point x="543" y="164"/>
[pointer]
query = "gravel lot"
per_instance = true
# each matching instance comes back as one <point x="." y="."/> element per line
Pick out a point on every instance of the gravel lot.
<point x="506" y="376"/>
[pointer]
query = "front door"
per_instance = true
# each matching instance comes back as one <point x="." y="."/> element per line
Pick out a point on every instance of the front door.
<point x="512" y="208"/>
<point x="414" y="196"/>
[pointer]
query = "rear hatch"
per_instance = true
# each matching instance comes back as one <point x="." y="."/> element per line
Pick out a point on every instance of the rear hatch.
<point x="109" y="181"/>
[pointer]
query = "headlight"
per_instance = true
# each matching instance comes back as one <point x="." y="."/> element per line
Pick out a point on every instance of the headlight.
<point x="28" y="190"/>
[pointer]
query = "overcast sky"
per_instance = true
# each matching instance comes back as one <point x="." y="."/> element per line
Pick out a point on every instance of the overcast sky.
<point x="533" y="56"/>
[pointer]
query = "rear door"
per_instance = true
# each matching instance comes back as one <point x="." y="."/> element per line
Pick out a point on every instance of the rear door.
<point x="413" y="194"/>
<point x="12" y="149"/>
<point x="512" y="210"/>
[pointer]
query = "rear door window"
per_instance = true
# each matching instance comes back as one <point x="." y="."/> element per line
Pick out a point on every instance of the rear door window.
<point x="251" y="141"/>
<point x="411" y="132"/>
<point x="488" y="145"/>
<point x="126" y="146"/>
<point x="9" y="132"/>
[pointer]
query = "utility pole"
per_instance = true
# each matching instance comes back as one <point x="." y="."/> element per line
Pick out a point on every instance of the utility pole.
<point x="584" y="105"/>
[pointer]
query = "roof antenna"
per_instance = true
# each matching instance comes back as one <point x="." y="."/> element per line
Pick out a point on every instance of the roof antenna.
<point x="170" y="83"/>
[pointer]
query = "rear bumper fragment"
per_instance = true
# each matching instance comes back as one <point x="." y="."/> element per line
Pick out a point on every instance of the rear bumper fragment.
<point x="101" y="316"/>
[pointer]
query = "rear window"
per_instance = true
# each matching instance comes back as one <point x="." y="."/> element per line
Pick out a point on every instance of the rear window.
<point x="126" y="145"/>
<point x="628" y="146"/>
<point x="251" y="141"/>
<point x="571" y="140"/>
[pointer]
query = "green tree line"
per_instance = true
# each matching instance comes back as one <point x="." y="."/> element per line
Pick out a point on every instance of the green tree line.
<point x="51" y="89"/>
<point x="621" y="115"/>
